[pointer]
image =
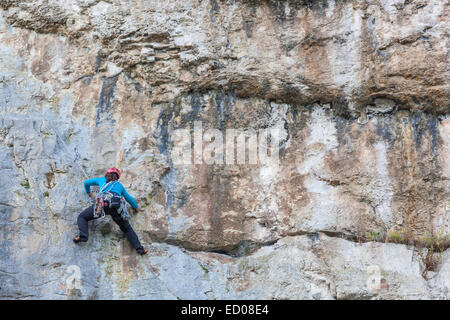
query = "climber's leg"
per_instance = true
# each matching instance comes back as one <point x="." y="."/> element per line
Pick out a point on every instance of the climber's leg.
<point x="83" y="218"/>
<point x="126" y="228"/>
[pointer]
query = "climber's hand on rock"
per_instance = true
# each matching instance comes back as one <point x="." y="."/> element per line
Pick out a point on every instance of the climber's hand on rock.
<point x="136" y="210"/>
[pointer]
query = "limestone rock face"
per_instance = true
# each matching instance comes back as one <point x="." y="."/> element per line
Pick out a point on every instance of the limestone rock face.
<point x="354" y="93"/>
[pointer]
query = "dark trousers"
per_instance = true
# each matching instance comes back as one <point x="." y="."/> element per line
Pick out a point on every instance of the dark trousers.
<point x="88" y="215"/>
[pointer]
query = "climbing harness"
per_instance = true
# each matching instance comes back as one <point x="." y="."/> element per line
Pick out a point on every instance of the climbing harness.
<point x="106" y="198"/>
<point x="123" y="210"/>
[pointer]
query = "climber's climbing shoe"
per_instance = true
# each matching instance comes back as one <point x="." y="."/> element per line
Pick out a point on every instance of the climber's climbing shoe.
<point x="78" y="240"/>
<point x="141" y="251"/>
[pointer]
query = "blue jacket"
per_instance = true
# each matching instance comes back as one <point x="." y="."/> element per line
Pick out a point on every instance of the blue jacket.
<point x="117" y="188"/>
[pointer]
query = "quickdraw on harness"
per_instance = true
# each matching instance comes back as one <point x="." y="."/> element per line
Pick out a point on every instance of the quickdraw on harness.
<point x="106" y="198"/>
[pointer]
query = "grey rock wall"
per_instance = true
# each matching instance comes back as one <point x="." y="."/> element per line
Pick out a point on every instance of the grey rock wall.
<point x="357" y="89"/>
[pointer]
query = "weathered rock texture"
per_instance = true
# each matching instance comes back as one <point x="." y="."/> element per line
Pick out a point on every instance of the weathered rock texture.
<point x="359" y="90"/>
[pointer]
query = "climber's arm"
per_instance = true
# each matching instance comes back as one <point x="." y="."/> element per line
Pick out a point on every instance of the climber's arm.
<point x="91" y="182"/>
<point x="130" y="199"/>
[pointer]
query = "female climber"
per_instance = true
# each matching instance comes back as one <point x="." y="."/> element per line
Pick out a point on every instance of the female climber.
<point x="109" y="200"/>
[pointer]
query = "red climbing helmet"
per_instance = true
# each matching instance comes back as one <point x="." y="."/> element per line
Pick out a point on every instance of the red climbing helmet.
<point x="114" y="170"/>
